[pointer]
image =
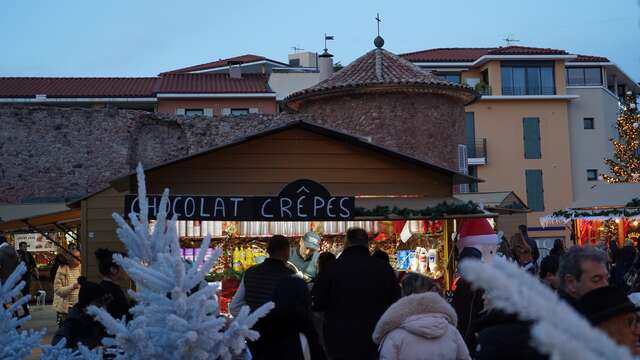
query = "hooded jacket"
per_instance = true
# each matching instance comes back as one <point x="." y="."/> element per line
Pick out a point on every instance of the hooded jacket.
<point x="420" y="326"/>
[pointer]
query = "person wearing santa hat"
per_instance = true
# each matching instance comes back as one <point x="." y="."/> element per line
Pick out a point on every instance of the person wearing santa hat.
<point x="476" y="240"/>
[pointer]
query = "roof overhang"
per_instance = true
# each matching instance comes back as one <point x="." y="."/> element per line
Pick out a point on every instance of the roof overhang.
<point x="78" y="100"/>
<point x="225" y="67"/>
<point x="466" y="94"/>
<point x="42" y="220"/>
<point x="485" y="58"/>
<point x="216" y="95"/>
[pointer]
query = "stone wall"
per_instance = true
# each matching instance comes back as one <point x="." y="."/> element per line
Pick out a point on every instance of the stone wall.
<point x="426" y="126"/>
<point x="54" y="153"/>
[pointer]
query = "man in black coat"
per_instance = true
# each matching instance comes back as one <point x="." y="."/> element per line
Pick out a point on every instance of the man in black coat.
<point x="25" y="256"/>
<point x="355" y="292"/>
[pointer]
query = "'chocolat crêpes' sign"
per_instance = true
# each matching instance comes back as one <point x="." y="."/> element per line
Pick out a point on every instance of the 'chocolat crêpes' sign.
<point x="301" y="200"/>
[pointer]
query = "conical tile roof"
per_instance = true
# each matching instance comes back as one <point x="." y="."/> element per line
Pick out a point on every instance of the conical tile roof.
<point x="381" y="70"/>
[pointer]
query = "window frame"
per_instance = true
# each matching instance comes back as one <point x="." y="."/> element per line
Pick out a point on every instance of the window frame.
<point x="528" y="87"/>
<point x="232" y="110"/>
<point x="443" y="75"/>
<point x="590" y="172"/>
<point x="583" y="78"/>
<point x="200" y="110"/>
<point x="593" y="123"/>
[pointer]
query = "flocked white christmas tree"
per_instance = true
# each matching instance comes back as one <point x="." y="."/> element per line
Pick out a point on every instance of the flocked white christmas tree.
<point x="170" y="321"/>
<point x="15" y="344"/>
<point x="558" y="330"/>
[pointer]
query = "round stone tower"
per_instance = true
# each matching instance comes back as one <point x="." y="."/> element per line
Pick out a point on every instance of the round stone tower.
<point x="395" y="103"/>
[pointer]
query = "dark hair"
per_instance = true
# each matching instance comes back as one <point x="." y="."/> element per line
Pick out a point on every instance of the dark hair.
<point x="523" y="229"/>
<point x="105" y="260"/>
<point x="571" y="261"/>
<point x="22" y="242"/>
<point x="89" y="292"/>
<point x="558" y="248"/>
<point x="276" y="244"/>
<point x="549" y="265"/>
<point x="357" y="236"/>
<point x="379" y="254"/>
<point x="414" y="283"/>
<point x="324" y="260"/>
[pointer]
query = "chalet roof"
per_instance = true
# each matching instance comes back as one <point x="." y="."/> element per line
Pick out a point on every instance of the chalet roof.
<point x="245" y="59"/>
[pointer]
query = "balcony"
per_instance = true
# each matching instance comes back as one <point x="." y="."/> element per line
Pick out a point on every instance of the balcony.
<point x="483" y="89"/>
<point x="523" y="91"/>
<point x="477" y="152"/>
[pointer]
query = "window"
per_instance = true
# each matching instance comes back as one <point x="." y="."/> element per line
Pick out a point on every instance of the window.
<point x="531" y="136"/>
<point x="588" y="123"/>
<point x="194" y="112"/>
<point x="239" y="112"/>
<point x="528" y="78"/>
<point x="450" y="77"/>
<point x="294" y="62"/>
<point x="535" y="190"/>
<point x="592" y="175"/>
<point x="584" y="76"/>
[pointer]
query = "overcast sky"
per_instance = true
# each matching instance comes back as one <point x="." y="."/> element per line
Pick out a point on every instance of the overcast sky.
<point x="146" y="37"/>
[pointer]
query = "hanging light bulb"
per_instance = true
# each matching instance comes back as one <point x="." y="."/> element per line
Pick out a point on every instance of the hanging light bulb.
<point x="617" y="221"/>
<point x="635" y="223"/>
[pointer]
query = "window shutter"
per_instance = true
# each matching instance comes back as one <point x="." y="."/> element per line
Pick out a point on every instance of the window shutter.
<point x="470" y="131"/>
<point x="535" y="190"/>
<point x="226" y="111"/>
<point x="462" y="158"/>
<point x="253" y="110"/>
<point x="208" y="112"/>
<point x="180" y="112"/>
<point x="531" y="135"/>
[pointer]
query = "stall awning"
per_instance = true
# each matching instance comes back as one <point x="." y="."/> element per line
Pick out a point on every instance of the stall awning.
<point x="36" y="216"/>
<point x="502" y="202"/>
<point x="454" y="208"/>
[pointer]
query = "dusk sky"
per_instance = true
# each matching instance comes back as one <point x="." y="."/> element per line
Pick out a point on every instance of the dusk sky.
<point x="144" y="38"/>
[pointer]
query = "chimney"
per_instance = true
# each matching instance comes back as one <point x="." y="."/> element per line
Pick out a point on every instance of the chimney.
<point x="326" y="65"/>
<point x="235" y="71"/>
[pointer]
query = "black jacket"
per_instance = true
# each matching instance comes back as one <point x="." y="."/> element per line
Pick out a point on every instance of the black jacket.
<point x="261" y="280"/>
<point x="468" y="304"/>
<point x="503" y="336"/>
<point x="280" y="337"/>
<point x="79" y="327"/>
<point x="355" y="292"/>
<point x="120" y="304"/>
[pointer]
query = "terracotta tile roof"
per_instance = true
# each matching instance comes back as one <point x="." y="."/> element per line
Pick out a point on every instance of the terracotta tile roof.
<point x="473" y="54"/>
<point x="76" y="87"/>
<point x="590" y="58"/>
<point x="248" y="58"/>
<point x="377" y="67"/>
<point x="17" y="87"/>
<point x="213" y="83"/>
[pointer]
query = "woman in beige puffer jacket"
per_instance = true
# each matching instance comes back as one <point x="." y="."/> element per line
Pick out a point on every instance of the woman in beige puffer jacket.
<point x="420" y="326"/>
<point x="66" y="287"/>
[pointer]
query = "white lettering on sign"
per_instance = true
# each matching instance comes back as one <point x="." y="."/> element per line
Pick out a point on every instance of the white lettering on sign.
<point x="219" y="206"/>
<point x="283" y="208"/>
<point x="235" y="205"/>
<point x="300" y="204"/>
<point x="264" y="204"/>
<point x="318" y="203"/>
<point x="188" y="201"/>
<point x="173" y="207"/>
<point x="344" y="211"/>
<point x="202" y="213"/>
<point x="329" y="207"/>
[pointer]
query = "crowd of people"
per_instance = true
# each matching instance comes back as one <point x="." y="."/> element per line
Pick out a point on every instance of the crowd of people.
<point x="355" y="306"/>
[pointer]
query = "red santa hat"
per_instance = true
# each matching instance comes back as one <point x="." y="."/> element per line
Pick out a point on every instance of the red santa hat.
<point x="476" y="232"/>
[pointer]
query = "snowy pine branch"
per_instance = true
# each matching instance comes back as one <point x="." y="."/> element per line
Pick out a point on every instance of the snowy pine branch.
<point x="60" y="352"/>
<point x="14" y="344"/>
<point x="559" y="330"/>
<point x="177" y="315"/>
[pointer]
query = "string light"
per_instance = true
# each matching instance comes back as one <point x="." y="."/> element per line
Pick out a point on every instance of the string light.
<point x="625" y="167"/>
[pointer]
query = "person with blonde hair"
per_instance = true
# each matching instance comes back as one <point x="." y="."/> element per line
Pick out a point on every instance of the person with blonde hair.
<point x="523" y="253"/>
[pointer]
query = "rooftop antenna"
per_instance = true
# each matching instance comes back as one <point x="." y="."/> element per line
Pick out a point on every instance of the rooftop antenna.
<point x="509" y="40"/>
<point x="327" y="37"/>
<point x="296" y="49"/>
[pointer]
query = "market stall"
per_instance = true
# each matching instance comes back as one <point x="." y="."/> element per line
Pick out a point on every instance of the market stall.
<point x="598" y="226"/>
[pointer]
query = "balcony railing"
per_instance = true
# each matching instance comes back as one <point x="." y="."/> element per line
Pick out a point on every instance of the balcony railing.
<point x="484" y="90"/>
<point x="533" y="90"/>
<point x="477" y="152"/>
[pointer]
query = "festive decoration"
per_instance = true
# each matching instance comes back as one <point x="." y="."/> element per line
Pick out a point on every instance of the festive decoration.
<point x="177" y="314"/>
<point x="14" y="344"/>
<point x="558" y="330"/>
<point x="561" y="217"/>
<point x="436" y="212"/>
<point x="479" y="234"/>
<point x="60" y="352"/>
<point x="627" y="148"/>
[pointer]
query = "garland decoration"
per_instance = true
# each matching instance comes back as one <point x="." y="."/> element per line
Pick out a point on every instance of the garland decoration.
<point x="567" y="215"/>
<point x="431" y="212"/>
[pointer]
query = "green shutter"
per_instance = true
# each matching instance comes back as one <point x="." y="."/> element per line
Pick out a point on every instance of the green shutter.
<point x="535" y="191"/>
<point x="531" y="134"/>
<point x="470" y="131"/>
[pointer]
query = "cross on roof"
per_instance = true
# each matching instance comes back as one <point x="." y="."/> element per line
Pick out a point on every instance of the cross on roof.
<point x="378" y="20"/>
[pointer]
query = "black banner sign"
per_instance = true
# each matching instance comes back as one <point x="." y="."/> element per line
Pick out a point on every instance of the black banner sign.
<point x="301" y="200"/>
